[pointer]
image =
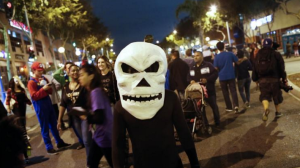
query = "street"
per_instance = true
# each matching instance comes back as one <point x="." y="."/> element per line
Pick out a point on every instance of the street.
<point x="243" y="140"/>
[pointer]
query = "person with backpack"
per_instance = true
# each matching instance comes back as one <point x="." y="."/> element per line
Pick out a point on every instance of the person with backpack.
<point x="269" y="71"/>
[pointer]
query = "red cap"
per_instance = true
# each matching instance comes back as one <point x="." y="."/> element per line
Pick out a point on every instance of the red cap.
<point x="37" y="66"/>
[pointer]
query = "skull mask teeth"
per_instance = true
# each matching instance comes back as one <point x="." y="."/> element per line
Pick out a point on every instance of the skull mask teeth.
<point x="140" y="71"/>
<point x="142" y="98"/>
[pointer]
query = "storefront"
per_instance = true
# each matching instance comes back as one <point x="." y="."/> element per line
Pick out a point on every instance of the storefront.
<point x="276" y="25"/>
<point x="291" y="37"/>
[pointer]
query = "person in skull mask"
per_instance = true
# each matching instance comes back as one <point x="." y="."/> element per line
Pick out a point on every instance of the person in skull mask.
<point x="147" y="111"/>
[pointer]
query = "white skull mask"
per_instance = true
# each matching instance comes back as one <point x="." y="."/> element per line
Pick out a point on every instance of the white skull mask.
<point x="140" y="71"/>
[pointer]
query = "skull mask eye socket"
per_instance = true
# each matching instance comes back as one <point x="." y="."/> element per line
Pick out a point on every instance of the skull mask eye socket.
<point x="128" y="69"/>
<point x="153" y="68"/>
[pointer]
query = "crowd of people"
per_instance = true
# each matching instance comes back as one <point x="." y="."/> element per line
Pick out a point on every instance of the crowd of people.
<point x="89" y="94"/>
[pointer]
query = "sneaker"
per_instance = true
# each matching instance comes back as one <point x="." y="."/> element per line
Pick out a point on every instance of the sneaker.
<point x="247" y="105"/>
<point x="236" y="110"/>
<point x="265" y="115"/>
<point x="80" y="147"/>
<point x="278" y="114"/>
<point x="229" y="110"/>
<point x="52" y="152"/>
<point x="62" y="145"/>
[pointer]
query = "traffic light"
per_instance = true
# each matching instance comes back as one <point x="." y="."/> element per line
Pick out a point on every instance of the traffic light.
<point x="9" y="9"/>
<point x="31" y="54"/>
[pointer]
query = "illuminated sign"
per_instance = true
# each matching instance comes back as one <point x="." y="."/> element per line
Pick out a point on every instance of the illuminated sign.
<point x="19" y="25"/>
<point x="261" y="21"/>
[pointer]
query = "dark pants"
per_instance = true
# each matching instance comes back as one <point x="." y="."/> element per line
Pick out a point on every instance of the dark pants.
<point x="227" y="85"/>
<point x="212" y="101"/>
<point x="21" y="112"/>
<point x="288" y="54"/>
<point x="270" y="90"/>
<point x="96" y="153"/>
<point x="244" y="87"/>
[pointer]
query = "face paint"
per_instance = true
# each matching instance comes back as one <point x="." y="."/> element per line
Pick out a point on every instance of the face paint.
<point x="140" y="71"/>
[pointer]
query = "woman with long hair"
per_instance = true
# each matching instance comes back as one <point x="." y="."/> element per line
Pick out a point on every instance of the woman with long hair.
<point x="100" y="115"/>
<point x="108" y="79"/>
<point x="74" y="95"/>
<point x="17" y="99"/>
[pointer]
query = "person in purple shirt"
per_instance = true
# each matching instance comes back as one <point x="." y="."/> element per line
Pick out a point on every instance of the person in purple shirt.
<point x="224" y="63"/>
<point x="100" y="116"/>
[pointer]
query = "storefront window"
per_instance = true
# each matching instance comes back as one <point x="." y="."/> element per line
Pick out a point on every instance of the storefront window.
<point x="15" y="39"/>
<point x="39" y="47"/>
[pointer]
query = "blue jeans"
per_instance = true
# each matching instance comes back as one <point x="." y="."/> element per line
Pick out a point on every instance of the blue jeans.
<point x="244" y="87"/>
<point x="82" y="128"/>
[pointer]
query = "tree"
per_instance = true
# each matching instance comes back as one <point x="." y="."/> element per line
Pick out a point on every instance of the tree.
<point x="52" y="16"/>
<point x="195" y="9"/>
<point x="283" y="6"/>
<point x="214" y="22"/>
<point x="92" y="34"/>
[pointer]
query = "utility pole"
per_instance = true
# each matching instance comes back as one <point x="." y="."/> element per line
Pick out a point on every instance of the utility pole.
<point x="30" y="36"/>
<point x="228" y="34"/>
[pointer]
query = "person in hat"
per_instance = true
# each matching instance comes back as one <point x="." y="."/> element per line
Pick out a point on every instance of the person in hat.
<point x="269" y="72"/>
<point x="39" y="89"/>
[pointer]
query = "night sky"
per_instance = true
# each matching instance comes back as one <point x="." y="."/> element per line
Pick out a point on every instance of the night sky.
<point x="130" y="20"/>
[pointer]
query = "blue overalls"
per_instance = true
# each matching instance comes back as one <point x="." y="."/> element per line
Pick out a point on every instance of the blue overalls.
<point x="47" y="119"/>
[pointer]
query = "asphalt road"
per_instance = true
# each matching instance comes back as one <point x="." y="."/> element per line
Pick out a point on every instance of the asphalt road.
<point x="243" y="140"/>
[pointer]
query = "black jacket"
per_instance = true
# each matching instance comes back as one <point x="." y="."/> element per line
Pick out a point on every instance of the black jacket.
<point x="279" y="68"/>
<point x="242" y="68"/>
<point x="179" y="75"/>
<point x="205" y="70"/>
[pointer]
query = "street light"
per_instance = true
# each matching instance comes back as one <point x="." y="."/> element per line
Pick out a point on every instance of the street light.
<point x="93" y="56"/>
<point x="111" y="50"/>
<point x="112" y="45"/>
<point x="213" y="8"/>
<point x="157" y="42"/>
<point x="61" y="50"/>
<point x="207" y="39"/>
<point x="107" y="39"/>
<point x="77" y="52"/>
<point x="175" y="32"/>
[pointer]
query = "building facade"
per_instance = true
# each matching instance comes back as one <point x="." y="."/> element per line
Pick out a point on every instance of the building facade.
<point x="276" y="25"/>
<point x="18" y="47"/>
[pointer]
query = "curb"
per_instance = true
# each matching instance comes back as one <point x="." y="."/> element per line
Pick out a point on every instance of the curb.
<point x="292" y="84"/>
<point x="294" y="87"/>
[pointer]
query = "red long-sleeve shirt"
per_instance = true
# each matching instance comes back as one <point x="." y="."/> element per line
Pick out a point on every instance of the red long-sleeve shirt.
<point x="35" y="93"/>
<point x="10" y="95"/>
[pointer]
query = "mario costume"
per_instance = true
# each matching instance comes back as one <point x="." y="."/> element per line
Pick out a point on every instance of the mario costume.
<point x="44" y="109"/>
